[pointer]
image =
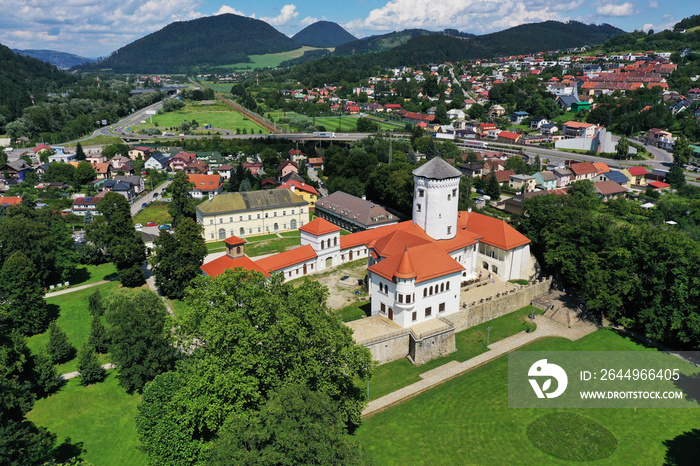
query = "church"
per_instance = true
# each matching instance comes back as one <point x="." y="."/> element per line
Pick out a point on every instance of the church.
<point x="415" y="268"/>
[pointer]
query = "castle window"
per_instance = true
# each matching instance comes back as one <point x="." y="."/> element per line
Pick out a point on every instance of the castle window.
<point x="335" y="241"/>
<point x="425" y="292"/>
<point x="400" y="298"/>
<point x="240" y="218"/>
<point x="415" y="316"/>
<point x="230" y="219"/>
<point x="448" y="286"/>
<point x="408" y="299"/>
<point x="428" y="311"/>
<point x="431" y="291"/>
<point x="449" y="197"/>
<point x="449" y="230"/>
<point x="421" y="193"/>
<point x="323" y="244"/>
<point x="454" y="192"/>
<point x="250" y="217"/>
<point x="442" y="287"/>
<point x="382" y="309"/>
<point x="417" y="207"/>
<point x="442" y="307"/>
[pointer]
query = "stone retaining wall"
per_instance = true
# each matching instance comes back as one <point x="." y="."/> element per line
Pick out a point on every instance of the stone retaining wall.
<point x="489" y="310"/>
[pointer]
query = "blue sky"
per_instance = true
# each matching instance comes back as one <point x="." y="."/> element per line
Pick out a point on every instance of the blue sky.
<point x="96" y="28"/>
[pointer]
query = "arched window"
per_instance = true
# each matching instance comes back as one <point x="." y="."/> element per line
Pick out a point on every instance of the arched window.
<point x="448" y="286"/>
<point x="431" y="290"/>
<point x="241" y="232"/>
<point x="442" y="287"/>
<point x="425" y="292"/>
<point x="222" y="233"/>
<point x="323" y="243"/>
<point x="293" y="224"/>
<point x="335" y="241"/>
<point x="277" y="227"/>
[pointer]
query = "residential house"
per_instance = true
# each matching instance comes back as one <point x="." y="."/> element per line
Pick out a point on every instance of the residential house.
<point x="124" y="188"/>
<point x="119" y="161"/>
<point x="517" y="117"/>
<point x="566" y="101"/>
<point x="62" y="158"/>
<point x="15" y="170"/>
<point x="456" y="114"/>
<point x="496" y="111"/>
<point x="503" y="176"/>
<point x="509" y="137"/>
<point x="96" y="158"/>
<point x="286" y="167"/>
<point x="197" y="167"/>
<point x="637" y="175"/>
<point x="140" y="151"/>
<point x="548" y="129"/>
<point x="577" y="129"/>
<point x="482" y="129"/>
<point x="514" y="205"/>
<point x="6" y="201"/>
<point x="83" y="205"/>
<point x="583" y="171"/>
<point x="102" y="170"/>
<point x="254" y="168"/>
<point x="601" y="167"/>
<point x="616" y="177"/>
<point x="181" y="160"/>
<point x="518" y="182"/>
<point x="610" y="190"/>
<point x="660" y="138"/>
<point x="471" y="169"/>
<point x="268" y="183"/>
<point x="205" y="186"/>
<point x="225" y="171"/>
<point x="306" y="191"/>
<point x="316" y="163"/>
<point x="537" y="122"/>
<point x="138" y="182"/>
<point x="545" y="180"/>
<point x="297" y="156"/>
<point x="564" y="176"/>
<point x="157" y="161"/>
<point x="41" y="148"/>
<point x="251" y="213"/>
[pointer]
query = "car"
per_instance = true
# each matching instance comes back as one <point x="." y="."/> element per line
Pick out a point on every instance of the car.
<point x="170" y="178"/>
<point x="480" y="191"/>
<point x="152" y="224"/>
<point x="138" y="226"/>
<point x="155" y="195"/>
<point x="165" y="226"/>
<point x="145" y="204"/>
<point x="698" y="178"/>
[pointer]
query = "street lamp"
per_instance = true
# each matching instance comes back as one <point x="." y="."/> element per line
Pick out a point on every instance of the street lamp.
<point x="488" y="335"/>
<point x="532" y="319"/>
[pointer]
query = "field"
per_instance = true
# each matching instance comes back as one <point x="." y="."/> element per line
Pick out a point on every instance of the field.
<point x="270" y="60"/>
<point x="218" y="115"/>
<point x="154" y="212"/>
<point x="97" y="420"/>
<point x="467" y="421"/>
<point x="98" y="140"/>
<point x="86" y="274"/>
<point x="73" y="318"/>
<point x="347" y="123"/>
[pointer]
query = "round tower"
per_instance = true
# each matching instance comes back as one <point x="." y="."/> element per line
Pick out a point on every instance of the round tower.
<point x="405" y="279"/>
<point x="436" y="198"/>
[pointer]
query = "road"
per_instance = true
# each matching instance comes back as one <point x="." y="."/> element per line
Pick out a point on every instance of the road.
<point x="148" y="198"/>
<point x="314" y="176"/>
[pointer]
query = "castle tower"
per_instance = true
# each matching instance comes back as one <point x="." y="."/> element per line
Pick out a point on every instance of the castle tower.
<point x="436" y="198"/>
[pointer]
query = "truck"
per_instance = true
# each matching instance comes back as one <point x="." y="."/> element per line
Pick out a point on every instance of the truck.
<point x="324" y="134"/>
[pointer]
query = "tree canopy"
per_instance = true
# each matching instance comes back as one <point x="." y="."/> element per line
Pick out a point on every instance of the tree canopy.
<point x="248" y="336"/>
<point x="177" y="258"/>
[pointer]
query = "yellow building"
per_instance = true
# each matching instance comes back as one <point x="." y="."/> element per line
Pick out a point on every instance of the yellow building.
<point x="306" y="191"/>
<point x="252" y="213"/>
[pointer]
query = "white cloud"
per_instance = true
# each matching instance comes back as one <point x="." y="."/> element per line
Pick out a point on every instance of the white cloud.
<point x="227" y="9"/>
<point x="626" y="9"/>
<point x="653" y="4"/>
<point x="647" y="26"/>
<point x="287" y="14"/>
<point x="464" y="15"/>
<point x="308" y="21"/>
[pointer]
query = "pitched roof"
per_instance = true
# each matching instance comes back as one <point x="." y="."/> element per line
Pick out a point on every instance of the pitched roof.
<point x="300" y="186"/>
<point x="503" y="176"/>
<point x="609" y="187"/>
<point x="547" y="176"/>
<point x="319" y="226"/>
<point x="287" y="258"/>
<point x="616" y="176"/>
<point x="493" y="231"/>
<point x="427" y="260"/>
<point x="353" y="208"/>
<point x="659" y="185"/>
<point x="437" y="169"/>
<point x="206" y="182"/>
<point x="223" y="263"/>
<point x="410" y="235"/>
<point x="234" y="240"/>
<point x="233" y="202"/>
<point x="601" y="167"/>
<point x="10" y="200"/>
<point x="577" y="124"/>
<point x="582" y="168"/>
<point x="637" y="171"/>
<point x="367" y="236"/>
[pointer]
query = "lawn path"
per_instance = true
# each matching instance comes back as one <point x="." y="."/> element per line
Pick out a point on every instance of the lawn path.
<point x="77" y="288"/>
<point x="72" y="375"/>
<point x="545" y="328"/>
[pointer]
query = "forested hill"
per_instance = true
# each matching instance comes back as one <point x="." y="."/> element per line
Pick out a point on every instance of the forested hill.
<point x="21" y="77"/>
<point x="209" y="41"/>
<point x="323" y="34"/>
<point x="62" y="60"/>
<point x="548" y="35"/>
<point x="381" y="42"/>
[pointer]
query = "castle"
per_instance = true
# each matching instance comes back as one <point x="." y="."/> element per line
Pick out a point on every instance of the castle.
<point x="415" y="268"/>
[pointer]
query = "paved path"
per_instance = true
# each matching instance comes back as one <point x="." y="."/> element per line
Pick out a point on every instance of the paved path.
<point x="545" y="328"/>
<point x="77" y="288"/>
<point x="72" y="375"/>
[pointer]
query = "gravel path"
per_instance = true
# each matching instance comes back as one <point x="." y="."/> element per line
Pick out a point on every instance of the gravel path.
<point x="72" y="375"/>
<point x="77" y="288"/>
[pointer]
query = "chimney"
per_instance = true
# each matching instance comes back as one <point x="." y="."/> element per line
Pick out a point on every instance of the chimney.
<point x="364" y="198"/>
<point x="469" y="210"/>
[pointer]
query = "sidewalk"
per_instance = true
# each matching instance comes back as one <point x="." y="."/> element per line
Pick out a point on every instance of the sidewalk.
<point x="545" y="328"/>
<point x="77" y="288"/>
<point x="72" y="375"/>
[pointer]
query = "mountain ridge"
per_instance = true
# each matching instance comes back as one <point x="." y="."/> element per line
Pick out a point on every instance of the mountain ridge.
<point x="63" y="60"/>
<point x="323" y="34"/>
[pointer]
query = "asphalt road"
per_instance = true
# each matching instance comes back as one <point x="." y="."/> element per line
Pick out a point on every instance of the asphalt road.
<point x="148" y="198"/>
<point x="314" y="176"/>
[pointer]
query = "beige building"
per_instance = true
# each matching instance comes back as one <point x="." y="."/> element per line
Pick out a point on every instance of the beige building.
<point x="252" y="213"/>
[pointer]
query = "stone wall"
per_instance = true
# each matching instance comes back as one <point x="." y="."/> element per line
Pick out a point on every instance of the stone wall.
<point x="389" y="349"/>
<point x="488" y="310"/>
<point x="424" y="349"/>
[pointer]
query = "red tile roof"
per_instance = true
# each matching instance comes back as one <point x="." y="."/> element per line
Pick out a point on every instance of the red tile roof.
<point x="11" y="200"/>
<point x="222" y="264"/>
<point x="411" y="235"/>
<point x="637" y="171"/>
<point x="367" y="236"/>
<point x="492" y="230"/>
<point x="659" y="185"/>
<point x="206" y="182"/>
<point x="583" y="168"/>
<point x="287" y="258"/>
<point x="405" y="268"/>
<point x="298" y="185"/>
<point x="601" y="167"/>
<point x="319" y="226"/>
<point x="427" y="260"/>
<point x="234" y="240"/>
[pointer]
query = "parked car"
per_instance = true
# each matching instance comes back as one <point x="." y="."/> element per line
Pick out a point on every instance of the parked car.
<point x="144" y="205"/>
<point x="165" y="226"/>
<point x="152" y="224"/>
<point x="138" y="226"/>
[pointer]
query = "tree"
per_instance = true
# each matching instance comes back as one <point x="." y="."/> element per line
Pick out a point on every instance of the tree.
<point x="95" y="305"/>
<point x="681" y="150"/>
<point x="59" y="348"/>
<point x="21" y="442"/>
<point x="91" y="371"/>
<point x="365" y="125"/>
<point x="271" y="436"/>
<point x="537" y="166"/>
<point x="441" y="114"/>
<point x="84" y="173"/>
<point x="676" y="176"/>
<point x="79" y="152"/>
<point x="181" y="206"/>
<point x="115" y="234"/>
<point x="517" y="164"/>
<point x="45" y="374"/>
<point x="622" y="149"/>
<point x="178" y="257"/>
<point x="21" y="292"/>
<point x="140" y="337"/>
<point x="493" y="189"/>
<point x="248" y="335"/>
<point x="98" y="337"/>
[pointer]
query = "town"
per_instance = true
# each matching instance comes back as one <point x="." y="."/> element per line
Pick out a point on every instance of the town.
<point x="201" y="267"/>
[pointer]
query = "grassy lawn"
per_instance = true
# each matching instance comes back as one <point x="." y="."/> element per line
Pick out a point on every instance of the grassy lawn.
<point x="223" y="119"/>
<point x="154" y="212"/>
<point x="291" y="234"/>
<point x="99" y="418"/>
<point x="98" y="141"/>
<point x="470" y="342"/>
<point x="267" y="247"/>
<point x="268" y="60"/>
<point x="215" y="246"/>
<point x="354" y="311"/>
<point x="347" y="123"/>
<point x="467" y="421"/>
<point x="177" y="306"/>
<point x="86" y="274"/>
<point x="73" y="318"/>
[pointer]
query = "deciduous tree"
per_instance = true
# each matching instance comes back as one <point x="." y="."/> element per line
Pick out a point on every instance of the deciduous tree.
<point x="89" y="366"/>
<point x="181" y="206"/>
<point x="22" y="294"/>
<point x="178" y="257"/>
